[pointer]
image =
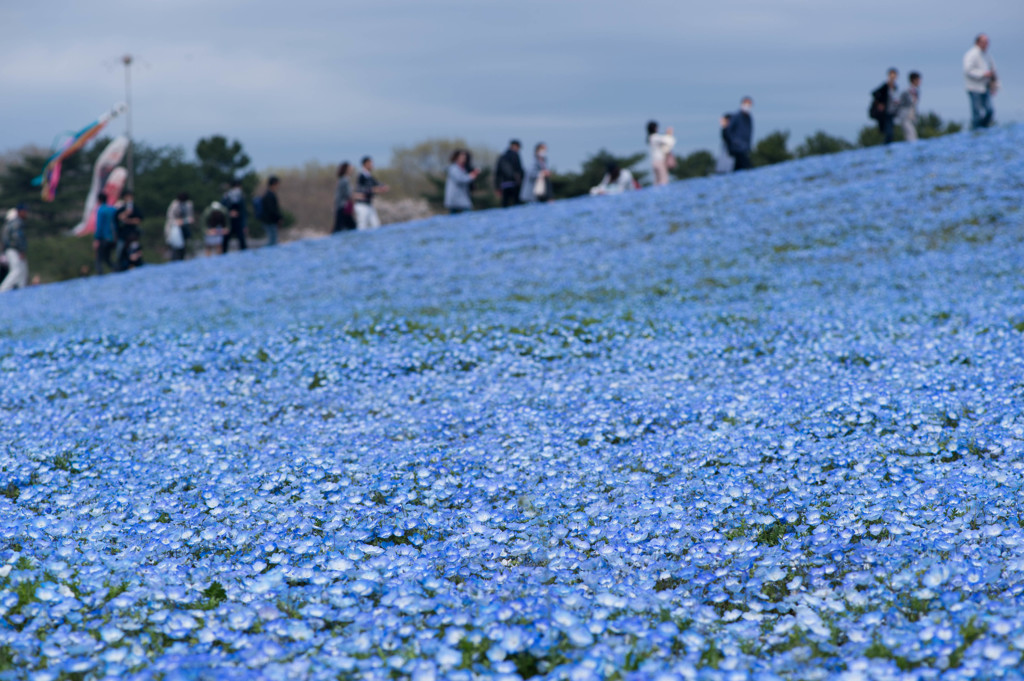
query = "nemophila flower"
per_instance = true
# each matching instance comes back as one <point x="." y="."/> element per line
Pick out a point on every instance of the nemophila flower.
<point x="748" y="427"/>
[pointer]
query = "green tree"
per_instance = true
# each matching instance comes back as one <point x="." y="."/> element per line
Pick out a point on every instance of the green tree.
<point x="821" y="143"/>
<point x="698" y="164"/>
<point x="931" y="125"/>
<point x="65" y="211"/>
<point x="161" y="173"/>
<point x="771" y="149"/>
<point x="221" y="161"/>
<point x="414" y="171"/>
<point x="565" y="185"/>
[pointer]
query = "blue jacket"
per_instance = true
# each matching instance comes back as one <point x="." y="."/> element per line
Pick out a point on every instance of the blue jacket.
<point x="739" y="133"/>
<point x="105" y="216"/>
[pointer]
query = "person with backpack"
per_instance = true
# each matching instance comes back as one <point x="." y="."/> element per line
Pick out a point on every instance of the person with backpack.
<point x="739" y="135"/>
<point x="885" y="104"/>
<point x="15" y="250"/>
<point x="238" y="216"/>
<point x="270" y="211"/>
<point x="508" y="175"/>
<point x="216" y="221"/>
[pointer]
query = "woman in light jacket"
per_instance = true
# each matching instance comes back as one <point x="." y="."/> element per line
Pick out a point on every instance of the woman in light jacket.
<point x="537" y="183"/>
<point x="178" y="226"/>
<point x="660" y="147"/>
<point x="457" y="184"/>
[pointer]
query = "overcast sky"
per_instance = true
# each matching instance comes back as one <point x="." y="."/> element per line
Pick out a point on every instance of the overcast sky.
<point x="327" y="80"/>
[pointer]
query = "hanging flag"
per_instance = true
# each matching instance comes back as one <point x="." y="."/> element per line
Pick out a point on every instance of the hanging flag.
<point x="107" y="177"/>
<point x="50" y="177"/>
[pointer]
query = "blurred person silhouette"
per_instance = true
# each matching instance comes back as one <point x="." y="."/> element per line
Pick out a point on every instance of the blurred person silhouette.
<point x="270" y="210"/>
<point x="104" y="237"/>
<point x="537" y="183"/>
<point x="982" y="82"/>
<point x="238" y="217"/>
<point x="15" y="249"/>
<point x="458" y="183"/>
<point x="343" y="204"/>
<point x="508" y="175"/>
<point x="724" y="163"/>
<point x="739" y="135"/>
<point x="178" y="225"/>
<point x="885" y="104"/>
<point x="217" y="223"/>
<point x="659" y="148"/>
<point x="367" y="186"/>
<point x="616" y="180"/>
<point x="129" y="220"/>
<point x="907" y="113"/>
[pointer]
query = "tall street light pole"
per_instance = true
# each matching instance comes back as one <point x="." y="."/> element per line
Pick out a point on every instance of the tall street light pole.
<point x="127" y="59"/>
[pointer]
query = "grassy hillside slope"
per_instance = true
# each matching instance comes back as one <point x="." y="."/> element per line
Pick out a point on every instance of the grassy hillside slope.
<point x="767" y="423"/>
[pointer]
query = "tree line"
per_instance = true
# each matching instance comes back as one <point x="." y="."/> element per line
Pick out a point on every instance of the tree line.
<point x="415" y="172"/>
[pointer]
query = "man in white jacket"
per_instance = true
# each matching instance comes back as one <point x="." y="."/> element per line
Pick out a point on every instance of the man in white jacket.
<point x="980" y="77"/>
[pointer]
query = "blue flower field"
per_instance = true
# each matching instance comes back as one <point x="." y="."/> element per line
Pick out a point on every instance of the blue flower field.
<point x="763" y="426"/>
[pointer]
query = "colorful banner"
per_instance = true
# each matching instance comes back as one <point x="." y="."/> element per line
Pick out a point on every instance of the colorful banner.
<point x="50" y="177"/>
<point x="106" y="177"/>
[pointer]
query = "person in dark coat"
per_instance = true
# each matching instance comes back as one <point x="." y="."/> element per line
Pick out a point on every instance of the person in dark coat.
<point x="238" y="216"/>
<point x="739" y="135"/>
<point x="272" y="217"/>
<point x="508" y="175"/>
<point x="885" y="104"/>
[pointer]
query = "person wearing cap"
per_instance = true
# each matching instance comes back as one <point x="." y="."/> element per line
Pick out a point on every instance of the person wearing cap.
<point x="15" y="250"/>
<point x="508" y="175"/>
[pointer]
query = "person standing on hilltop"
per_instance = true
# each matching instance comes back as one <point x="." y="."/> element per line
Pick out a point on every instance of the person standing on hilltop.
<point x="660" y="147"/>
<point x="238" y="216"/>
<point x="457" y="183"/>
<point x="15" y="250"/>
<point x="885" y="104"/>
<point x="366" y="187"/>
<point x="537" y="183"/>
<point x="982" y="83"/>
<point x="508" y="175"/>
<point x="739" y="135"/>
<point x="178" y="225"/>
<point x="103" y="238"/>
<point x="343" y="204"/>
<point x="908" y="107"/>
<point x="725" y="162"/>
<point x="270" y="211"/>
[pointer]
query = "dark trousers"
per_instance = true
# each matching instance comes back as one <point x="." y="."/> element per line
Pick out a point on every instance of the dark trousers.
<point x="104" y="250"/>
<point x="233" y="233"/>
<point x="885" y="126"/>
<point x="742" y="161"/>
<point x="343" y="220"/>
<point x="510" y="196"/>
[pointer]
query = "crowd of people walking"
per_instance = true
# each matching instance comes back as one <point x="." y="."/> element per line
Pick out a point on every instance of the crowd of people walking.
<point x="117" y="238"/>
